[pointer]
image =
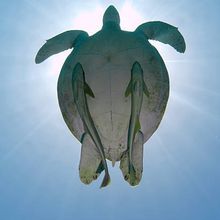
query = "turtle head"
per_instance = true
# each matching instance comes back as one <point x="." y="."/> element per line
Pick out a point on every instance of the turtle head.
<point x="111" y="17"/>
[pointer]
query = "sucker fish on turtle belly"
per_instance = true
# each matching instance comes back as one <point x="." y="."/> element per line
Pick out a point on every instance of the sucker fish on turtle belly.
<point x="80" y="87"/>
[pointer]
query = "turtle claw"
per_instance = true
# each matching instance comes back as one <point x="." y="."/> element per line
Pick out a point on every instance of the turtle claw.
<point x="90" y="173"/>
<point x="134" y="176"/>
<point x="86" y="179"/>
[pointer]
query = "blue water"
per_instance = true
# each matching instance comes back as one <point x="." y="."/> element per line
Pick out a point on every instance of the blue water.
<point x="39" y="157"/>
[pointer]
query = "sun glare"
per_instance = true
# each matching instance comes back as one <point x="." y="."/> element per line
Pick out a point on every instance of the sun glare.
<point x="130" y="17"/>
<point x="90" y="20"/>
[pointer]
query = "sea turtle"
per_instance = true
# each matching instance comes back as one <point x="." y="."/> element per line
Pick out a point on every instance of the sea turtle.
<point x="113" y="90"/>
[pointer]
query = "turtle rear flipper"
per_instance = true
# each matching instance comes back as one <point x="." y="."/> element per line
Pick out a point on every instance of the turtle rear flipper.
<point x="90" y="165"/>
<point x="59" y="43"/>
<point x="163" y="32"/>
<point x="137" y="160"/>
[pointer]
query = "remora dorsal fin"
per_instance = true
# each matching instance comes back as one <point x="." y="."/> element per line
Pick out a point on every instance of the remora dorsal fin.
<point x="146" y="91"/>
<point x="128" y="90"/>
<point x="88" y="90"/>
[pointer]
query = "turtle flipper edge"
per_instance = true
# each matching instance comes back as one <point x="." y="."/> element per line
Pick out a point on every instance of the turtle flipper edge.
<point x="59" y="43"/>
<point x="165" y="33"/>
<point x="90" y="165"/>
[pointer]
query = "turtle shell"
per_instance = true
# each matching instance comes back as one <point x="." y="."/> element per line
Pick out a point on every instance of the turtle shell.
<point x="107" y="58"/>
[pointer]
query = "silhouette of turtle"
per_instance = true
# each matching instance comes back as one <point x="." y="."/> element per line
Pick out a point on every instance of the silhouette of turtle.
<point x="113" y="90"/>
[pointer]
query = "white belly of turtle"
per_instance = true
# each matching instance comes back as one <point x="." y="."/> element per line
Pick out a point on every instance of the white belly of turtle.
<point x="108" y="75"/>
<point x="110" y="109"/>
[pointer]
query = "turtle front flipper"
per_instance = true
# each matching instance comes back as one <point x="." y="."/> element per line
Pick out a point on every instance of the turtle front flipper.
<point x="163" y="32"/>
<point x="137" y="160"/>
<point x="90" y="165"/>
<point x="59" y="43"/>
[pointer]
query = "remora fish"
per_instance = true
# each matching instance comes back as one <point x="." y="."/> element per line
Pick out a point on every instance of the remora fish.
<point x="136" y="87"/>
<point x="80" y="88"/>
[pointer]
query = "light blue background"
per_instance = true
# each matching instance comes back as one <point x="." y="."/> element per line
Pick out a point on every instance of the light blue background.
<point x="39" y="157"/>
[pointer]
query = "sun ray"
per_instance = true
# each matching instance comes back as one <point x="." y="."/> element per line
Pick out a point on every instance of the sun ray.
<point x="183" y="171"/>
<point x="43" y="11"/>
<point x="192" y="105"/>
<point x="128" y="10"/>
<point x="25" y="138"/>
